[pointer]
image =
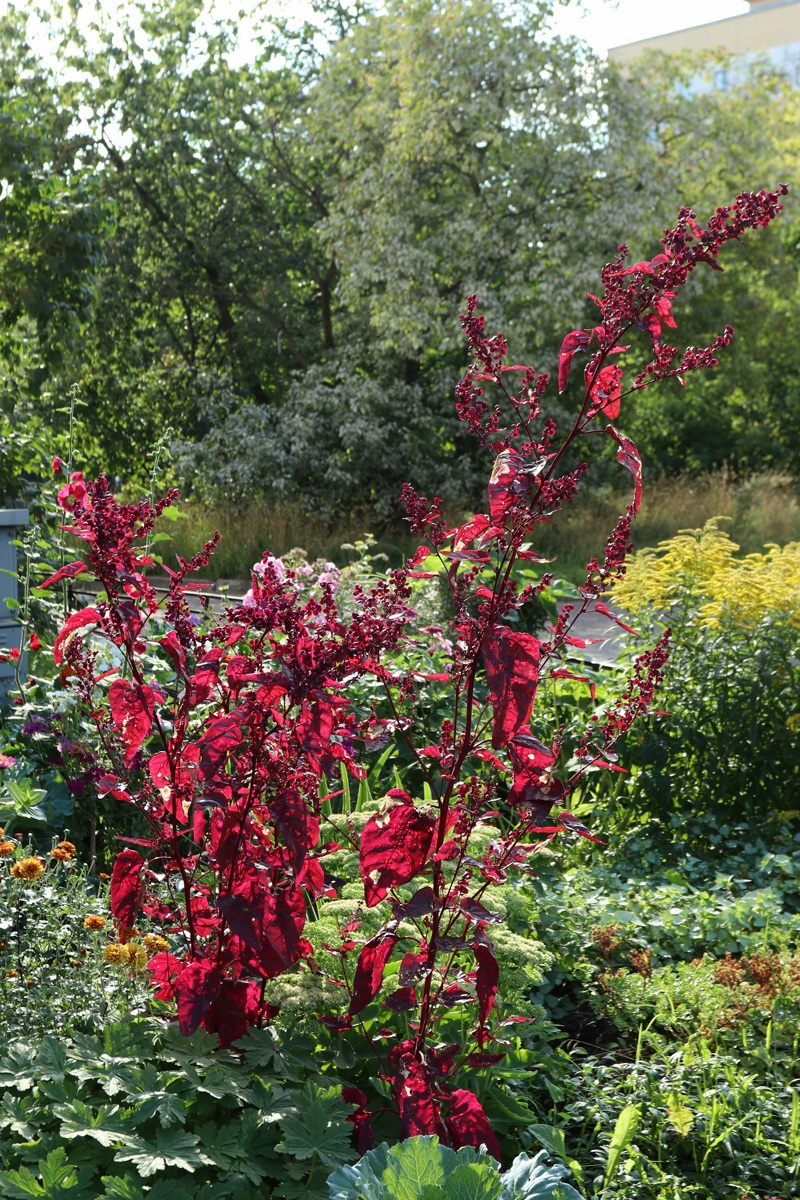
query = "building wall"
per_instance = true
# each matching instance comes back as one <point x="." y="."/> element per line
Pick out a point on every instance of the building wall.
<point x="772" y="27"/>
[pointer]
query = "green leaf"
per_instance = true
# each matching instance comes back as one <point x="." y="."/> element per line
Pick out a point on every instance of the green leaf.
<point x="121" y="1187"/>
<point x="415" y="1164"/>
<point x="14" y="1114"/>
<point x="60" y="1181"/>
<point x="106" y="1126"/>
<point x="553" y="1140"/>
<point x="621" y="1138"/>
<point x="172" y="1148"/>
<point x="679" y="1116"/>
<point x="318" y="1127"/>
<point x="473" y="1181"/>
<point x="533" y="1179"/>
<point x="16" y="1067"/>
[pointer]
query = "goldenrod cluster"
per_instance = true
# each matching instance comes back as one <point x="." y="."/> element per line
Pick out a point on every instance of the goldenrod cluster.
<point x="698" y="572"/>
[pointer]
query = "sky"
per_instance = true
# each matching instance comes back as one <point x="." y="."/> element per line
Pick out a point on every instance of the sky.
<point x="602" y="23"/>
<point x="605" y="23"/>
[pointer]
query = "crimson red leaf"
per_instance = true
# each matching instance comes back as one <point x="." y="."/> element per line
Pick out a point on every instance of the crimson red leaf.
<point x="606" y="391"/>
<point x="413" y="969"/>
<point x="486" y="977"/>
<point x="395" y="845"/>
<point x="479" y="912"/>
<point x="369" y="972"/>
<point x="206" y="674"/>
<point x="473" y="528"/>
<point x="576" y="826"/>
<point x="577" y="340"/>
<point x="419" y="1113"/>
<point x="365" y="1136"/>
<point x="126" y="882"/>
<point x="74" y="622"/>
<point x="563" y="673"/>
<point x="132" y="708"/>
<point x="663" y="306"/>
<point x="234" y="1010"/>
<point x="171" y="644"/>
<point x="629" y="456"/>
<point x="468" y="1124"/>
<point x="196" y="989"/>
<point x="164" y="968"/>
<point x="219" y="741"/>
<point x="606" y="612"/>
<point x="512" y="673"/>
<point x="403" y="1000"/>
<point x="70" y="571"/>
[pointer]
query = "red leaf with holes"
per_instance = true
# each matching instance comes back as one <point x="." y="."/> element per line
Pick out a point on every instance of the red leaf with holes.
<point x="126" y="886"/>
<point x="70" y="571"/>
<point x="468" y="1124"/>
<point x="606" y="392"/>
<point x="419" y="1112"/>
<point x="512" y="673"/>
<point x="369" y="972"/>
<point x="132" y="708"/>
<point x="630" y="458"/>
<point x="577" y="340"/>
<point x="74" y="622"/>
<point x="486" y="978"/>
<point x="196" y="989"/>
<point x="395" y="845"/>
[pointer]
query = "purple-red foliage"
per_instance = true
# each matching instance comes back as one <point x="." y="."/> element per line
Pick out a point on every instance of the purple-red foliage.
<point x="228" y="768"/>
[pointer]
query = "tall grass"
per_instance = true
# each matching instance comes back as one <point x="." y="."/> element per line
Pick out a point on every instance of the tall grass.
<point x="764" y="508"/>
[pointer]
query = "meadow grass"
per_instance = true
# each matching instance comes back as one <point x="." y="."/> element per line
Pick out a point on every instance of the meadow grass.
<point x="761" y="509"/>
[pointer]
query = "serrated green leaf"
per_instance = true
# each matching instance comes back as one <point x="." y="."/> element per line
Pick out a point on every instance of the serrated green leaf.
<point x="106" y="1126"/>
<point x="20" y="1185"/>
<point x="121" y="1187"/>
<point x="14" y="1114"/>
<point x="172" y="1148"/>
<point x="318" y="1127"/>
<point x="16" y="1067"/>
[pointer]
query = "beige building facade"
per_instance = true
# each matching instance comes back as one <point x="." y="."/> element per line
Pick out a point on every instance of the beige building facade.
<point x="772" y="27"/>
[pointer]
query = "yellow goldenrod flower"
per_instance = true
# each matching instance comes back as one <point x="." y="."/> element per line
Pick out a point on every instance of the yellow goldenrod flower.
<point x="112" y="952"/>
<point x="94" y="922"/>
<point x="27" y="869"/>
<point x="793" y="722"/>
<point x="698" y="572"/>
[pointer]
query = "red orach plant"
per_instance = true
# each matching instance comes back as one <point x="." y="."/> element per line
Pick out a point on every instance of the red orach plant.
<point x="227" y="765"/>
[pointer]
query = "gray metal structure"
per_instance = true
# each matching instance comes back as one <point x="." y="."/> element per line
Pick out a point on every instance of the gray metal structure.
<point x="11" y="521"/>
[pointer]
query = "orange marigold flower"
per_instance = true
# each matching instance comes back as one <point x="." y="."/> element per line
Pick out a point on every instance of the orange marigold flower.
<point x="103" y="875"/>
<point x="6" y="848"/>
<point x="64" y="851"/>
<point x="12" y="974"/>
<point x="27" y="869"/>
<point x="94" y="922"/>
<point x="134" y="955"/>
<point x="112" y="952"/>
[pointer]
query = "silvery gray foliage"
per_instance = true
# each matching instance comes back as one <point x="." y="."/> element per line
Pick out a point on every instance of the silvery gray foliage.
<point x="341" y="440"/>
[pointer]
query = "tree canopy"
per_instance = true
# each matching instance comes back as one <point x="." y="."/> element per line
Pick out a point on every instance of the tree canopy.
<point x="268" y="251"/>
